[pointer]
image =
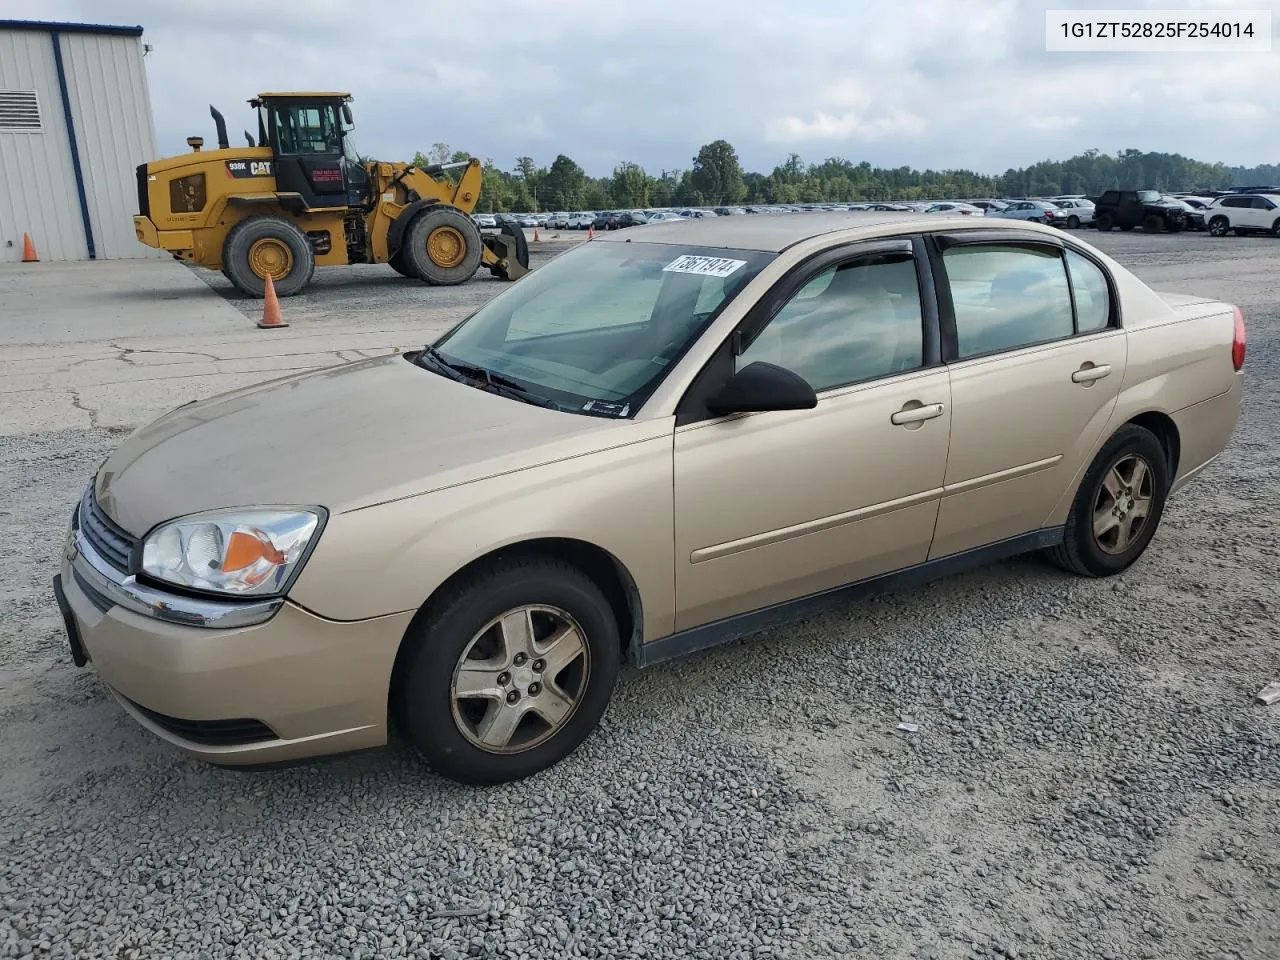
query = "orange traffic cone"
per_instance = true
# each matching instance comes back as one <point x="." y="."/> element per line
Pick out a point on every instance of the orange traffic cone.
<point x="28" y="250"/>
<point x="271" y="307"/>
<point x="591" y="233"/>
<point x="536" y="238"/>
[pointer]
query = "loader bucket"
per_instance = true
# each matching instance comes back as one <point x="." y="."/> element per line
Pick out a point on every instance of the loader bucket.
<point x="507" y="253"/>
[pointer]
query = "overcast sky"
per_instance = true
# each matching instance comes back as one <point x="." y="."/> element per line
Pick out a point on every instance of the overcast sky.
<point x="924" y="83"/>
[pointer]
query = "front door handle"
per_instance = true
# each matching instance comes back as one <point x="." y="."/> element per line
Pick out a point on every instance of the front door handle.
<point x="1088" y="373"/>
<point x="916" y="414"/>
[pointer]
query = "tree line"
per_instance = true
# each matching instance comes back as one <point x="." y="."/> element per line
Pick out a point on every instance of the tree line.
<point x="716" y="178"/>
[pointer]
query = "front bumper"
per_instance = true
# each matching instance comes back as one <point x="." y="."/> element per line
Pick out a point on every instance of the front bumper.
<point x="294" y="686"/>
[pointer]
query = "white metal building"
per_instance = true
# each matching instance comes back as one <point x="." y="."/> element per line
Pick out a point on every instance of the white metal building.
<point x="75" y="122"/>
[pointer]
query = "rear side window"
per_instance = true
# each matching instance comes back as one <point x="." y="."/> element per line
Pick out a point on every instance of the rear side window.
<point x="1007" y="297"/>
<point x="1261" y="203"/>
<point x="1235" y="201"/>
<point x="1092" y="295"/>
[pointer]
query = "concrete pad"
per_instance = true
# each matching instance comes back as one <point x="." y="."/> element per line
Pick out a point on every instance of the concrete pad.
<point x="42" y="303"/>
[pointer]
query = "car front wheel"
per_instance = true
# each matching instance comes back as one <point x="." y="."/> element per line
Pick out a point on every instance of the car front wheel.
<point x="1219" y="227"/>
<point x="1117" y="507"/>
<point x="509" y="672"/>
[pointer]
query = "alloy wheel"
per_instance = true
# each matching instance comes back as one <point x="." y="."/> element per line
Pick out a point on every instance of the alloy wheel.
<point x="520" y="679"/>
<point x="1123" y="504"/>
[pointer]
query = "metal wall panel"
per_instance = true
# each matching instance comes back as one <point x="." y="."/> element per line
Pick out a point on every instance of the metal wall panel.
<point x="37" y="182"/>
<point x="111" y="111"/>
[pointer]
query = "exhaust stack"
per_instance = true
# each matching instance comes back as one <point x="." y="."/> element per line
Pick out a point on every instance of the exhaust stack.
<point x="221" y="125"/>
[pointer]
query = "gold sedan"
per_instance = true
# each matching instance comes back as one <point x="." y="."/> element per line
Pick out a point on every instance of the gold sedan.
<point x="664" y="439"/>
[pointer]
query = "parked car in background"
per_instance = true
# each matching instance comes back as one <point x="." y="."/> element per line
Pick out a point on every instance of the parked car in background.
<point x="580" y="221"/>
<point x="1244" y="213"/>
<point x="987" y="206"/>
<point x="1079" y="211"/>
<point x="627" y="218"/>
<point x="1035" y="211"/>
<point x="1148" y="209"/>
<point x="729" y="211"/>
<point x="889" y="208"/>
<point x="955" y="206"/>
<point x="486" y="221"/>
<point x="478" y="579"/>
<point x="558" y="221"/>
<point x="1194" y="218"/>
<point x="665" y="215"/>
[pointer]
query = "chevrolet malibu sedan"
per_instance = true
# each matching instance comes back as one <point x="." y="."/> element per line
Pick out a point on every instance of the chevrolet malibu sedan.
<point x="660" y="441"/>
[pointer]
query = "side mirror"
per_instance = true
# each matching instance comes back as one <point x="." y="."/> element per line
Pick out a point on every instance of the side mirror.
<point x="346" y="115"/>
<point x="761" y="386"/>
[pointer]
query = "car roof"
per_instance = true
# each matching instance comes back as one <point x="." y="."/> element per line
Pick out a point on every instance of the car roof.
<point x="769" y="232"/>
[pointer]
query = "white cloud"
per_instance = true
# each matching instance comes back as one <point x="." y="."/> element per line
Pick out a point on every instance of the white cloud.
<point x="929" y="83"/>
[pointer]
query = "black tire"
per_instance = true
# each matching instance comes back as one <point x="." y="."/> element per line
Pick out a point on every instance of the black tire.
<point x="1079" y="551"/>
<point x="1219" y="227"/>
<point x="401" y="266"/>
<point x="522" y="250"/>
<point x="241" y="240"/>
<point x="421" y="694"/>
<point x="1153" y="224"/>
<point x="1104" y="222"/>
<point x="424" y="224"/>
<point x="1073" y="222"/>
<point x="1275" y="228"/>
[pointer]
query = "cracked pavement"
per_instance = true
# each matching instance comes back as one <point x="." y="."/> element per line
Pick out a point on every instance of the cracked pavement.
<point x="115" y="344"/>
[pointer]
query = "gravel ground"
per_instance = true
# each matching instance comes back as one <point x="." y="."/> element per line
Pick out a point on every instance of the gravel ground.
<point x="1090" y="777"/>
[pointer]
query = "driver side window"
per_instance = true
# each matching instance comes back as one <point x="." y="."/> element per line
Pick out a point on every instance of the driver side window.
<point x="854" y="321"/>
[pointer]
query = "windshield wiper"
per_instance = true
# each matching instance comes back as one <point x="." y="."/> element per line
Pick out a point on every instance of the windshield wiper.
<point x="464" y="372"/>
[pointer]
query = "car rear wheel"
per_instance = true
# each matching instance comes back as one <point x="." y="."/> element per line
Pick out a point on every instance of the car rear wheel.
<point x="1073" y="222"/>
<point x="1219" y="227"/>
<point x="1275" y="228"/>
<point x="1103" y="222"/>
<point x="1118" y="506"/>
<point x="509" y="672"/>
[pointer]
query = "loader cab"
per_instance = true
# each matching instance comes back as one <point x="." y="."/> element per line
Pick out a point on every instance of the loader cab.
<point x="309" y="136"/>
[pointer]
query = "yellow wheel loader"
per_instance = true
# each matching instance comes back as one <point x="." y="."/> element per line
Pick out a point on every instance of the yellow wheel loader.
<point x="300" y="197"/>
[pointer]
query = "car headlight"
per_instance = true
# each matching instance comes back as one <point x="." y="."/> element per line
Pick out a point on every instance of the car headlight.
<point x="246" y="552"/>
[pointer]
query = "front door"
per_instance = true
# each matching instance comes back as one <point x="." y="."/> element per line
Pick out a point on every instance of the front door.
<point x="774" y="506"/>
<point x="1033" y="384"/>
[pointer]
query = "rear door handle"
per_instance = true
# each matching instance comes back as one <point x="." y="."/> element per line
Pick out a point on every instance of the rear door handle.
<point x="1089" y="373"/>
<point x="917" y="414"/>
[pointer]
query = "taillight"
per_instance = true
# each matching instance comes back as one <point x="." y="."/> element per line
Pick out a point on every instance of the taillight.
<point x="1237" y="342"/>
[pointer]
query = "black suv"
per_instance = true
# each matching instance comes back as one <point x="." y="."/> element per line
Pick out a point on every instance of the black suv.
<point x="1148" y="209"/>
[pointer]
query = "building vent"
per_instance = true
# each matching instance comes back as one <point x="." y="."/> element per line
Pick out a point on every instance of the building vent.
<point x="19" y="111"/>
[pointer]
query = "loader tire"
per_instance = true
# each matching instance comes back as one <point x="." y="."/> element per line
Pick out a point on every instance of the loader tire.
<point x="401" y="266"/>
<point x="443" y="244"/>
<point x="521" y="245"/>
<point x="266" y="244"/>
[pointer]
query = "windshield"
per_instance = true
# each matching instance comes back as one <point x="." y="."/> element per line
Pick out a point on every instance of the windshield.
<point x="595" y="330"/>
<point x="1148" y="196"/>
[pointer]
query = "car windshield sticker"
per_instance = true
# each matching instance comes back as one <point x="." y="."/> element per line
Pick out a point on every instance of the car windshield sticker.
<point x="606" y="409"/>
<point x="704" y="266"/>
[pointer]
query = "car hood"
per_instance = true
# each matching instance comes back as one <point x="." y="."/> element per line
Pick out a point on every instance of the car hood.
<point x="342" y="438"/>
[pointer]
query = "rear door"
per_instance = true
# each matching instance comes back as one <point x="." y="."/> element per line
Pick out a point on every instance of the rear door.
<point x="1262" y="213"/>
<point x="1035" y="373"/>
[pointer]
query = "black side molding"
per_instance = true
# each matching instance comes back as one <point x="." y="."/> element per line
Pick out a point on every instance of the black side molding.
<point x="723" y="631"/>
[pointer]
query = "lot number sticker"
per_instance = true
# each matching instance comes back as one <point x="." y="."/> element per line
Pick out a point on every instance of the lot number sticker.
<point x="704" y="266"/>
